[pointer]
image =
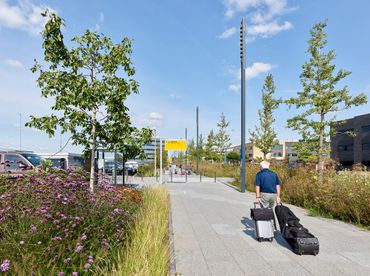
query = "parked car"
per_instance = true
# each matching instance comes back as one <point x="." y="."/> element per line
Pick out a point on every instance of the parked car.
<point x="64" y="160"/>
<point x="18" y="161"/>
<point x="131" y="167"/>
<point x="109" y="167"/>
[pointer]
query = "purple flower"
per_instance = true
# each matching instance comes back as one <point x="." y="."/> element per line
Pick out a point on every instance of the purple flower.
<point x="67" y="261"/>
<point x="105" y="243"/>
<point x="33" y="229"/>
<point x="74" y="273"/>
<point x="84" y="237"/>
<point x="61" y="274"/>
<point x="5" y="266"/>
<point x="79" y="247"/>
<point x="91" y="259"/>
<point x="87" y="266"/>
<point x="57" y="238"/>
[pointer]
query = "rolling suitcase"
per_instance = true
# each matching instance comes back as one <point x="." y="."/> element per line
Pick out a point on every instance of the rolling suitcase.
<point x="298" y="237"/>
<point x="263" y="220"/>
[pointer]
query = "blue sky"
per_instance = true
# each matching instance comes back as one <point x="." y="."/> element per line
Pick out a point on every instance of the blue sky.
<point x="186" y="54"/>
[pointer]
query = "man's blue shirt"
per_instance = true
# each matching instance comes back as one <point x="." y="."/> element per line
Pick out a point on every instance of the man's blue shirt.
<point x="267" y="181"/>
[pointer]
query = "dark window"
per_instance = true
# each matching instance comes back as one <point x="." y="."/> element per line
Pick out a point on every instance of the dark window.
<point x="12" y="162"/>
<point x="365" y="128"/>
<point x="366" y="146"/>
<point x="35" y="159"/>
<point x="345" y="147"/>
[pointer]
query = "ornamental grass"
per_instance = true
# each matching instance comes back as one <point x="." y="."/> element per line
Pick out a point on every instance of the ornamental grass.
<point x="51" y="224"/>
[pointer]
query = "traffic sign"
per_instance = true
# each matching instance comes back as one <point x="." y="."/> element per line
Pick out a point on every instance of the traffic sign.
<point x="175" y="145"/>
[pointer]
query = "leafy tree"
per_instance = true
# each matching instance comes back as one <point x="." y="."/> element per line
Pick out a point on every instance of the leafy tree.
<point x="264" y="136"/>
<point x="201" y="146"/>
<point x="164" y="157"/>
<point x="209" y="148"/>
<point x="192" y="149"/>
<point x="320" y="98"/>
<point x="222" y="138"/>
<point x="89" y="84"/>
<point x="233" y="156"/>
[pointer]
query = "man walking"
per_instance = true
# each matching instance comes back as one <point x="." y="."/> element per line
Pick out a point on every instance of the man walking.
<point x="267" y="186"/>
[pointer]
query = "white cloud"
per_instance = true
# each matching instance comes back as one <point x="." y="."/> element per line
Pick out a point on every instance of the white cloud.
<point x="24" y="16"/>
<point x="264" y="10"/>
<point x="262" y="15"/>
<point x="101" y="17"/>
<point x="268" y="29"/>
<point x="175" y="96"/>
<point x="229" y="32"/>
<point x="234" y="87"/>
<point x="251" y="72"/>
<point x="154" y="119"/>
<point x="257" y="69"/>
<point x="14" y="63"/>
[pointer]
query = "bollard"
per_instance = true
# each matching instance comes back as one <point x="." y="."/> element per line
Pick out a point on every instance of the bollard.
<point x="171" y="175"/>
<point x="215" y="177"/>
<point x="200" y="175"/>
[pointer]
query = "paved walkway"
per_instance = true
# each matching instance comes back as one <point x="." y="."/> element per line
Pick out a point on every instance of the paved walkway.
<point x="214" y="235"/>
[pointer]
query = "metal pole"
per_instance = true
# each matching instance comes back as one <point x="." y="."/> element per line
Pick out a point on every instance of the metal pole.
<point x="115" y="167"/>
<point x="160" y="161"/>
<point x="155" y="157"/>
<point x="242" y="72"/>
<point x="186" y="155"/>
<point x="197" y="119"/>
<point x="20" y="131"/>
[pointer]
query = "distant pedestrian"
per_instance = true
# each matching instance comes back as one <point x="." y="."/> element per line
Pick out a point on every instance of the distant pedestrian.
<point x="267" y="186"/>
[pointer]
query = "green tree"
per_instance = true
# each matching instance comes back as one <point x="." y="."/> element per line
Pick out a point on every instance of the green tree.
<point x="264" y="136"/>
<point x="233" y="157"/>
<point x="192" y="151"/>
<point x="209" y="148"/>
<point x="89" y="84"/>
<point x="222" y="138"/>
<point x="320" y="98"/>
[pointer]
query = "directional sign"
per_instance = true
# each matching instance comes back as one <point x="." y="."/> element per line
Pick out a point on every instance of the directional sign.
<point x="175" y="145"/>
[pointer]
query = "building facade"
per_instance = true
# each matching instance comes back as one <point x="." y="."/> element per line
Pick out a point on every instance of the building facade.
<point x="284" y="150"/>
<point x="149" y="149"/>
<point x="349" y="149"/>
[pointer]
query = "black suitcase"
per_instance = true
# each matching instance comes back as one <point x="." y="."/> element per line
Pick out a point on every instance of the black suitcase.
<point x="298" y="237"/>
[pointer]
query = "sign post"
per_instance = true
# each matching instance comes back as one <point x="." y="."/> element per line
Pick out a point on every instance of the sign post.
<point x="160" y="161"/>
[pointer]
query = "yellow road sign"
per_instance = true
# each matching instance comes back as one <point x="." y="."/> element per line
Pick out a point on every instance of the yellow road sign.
<point x="175" y="145"/>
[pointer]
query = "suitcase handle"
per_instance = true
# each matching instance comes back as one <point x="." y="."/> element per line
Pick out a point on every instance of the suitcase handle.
<point x="256" y="203"/>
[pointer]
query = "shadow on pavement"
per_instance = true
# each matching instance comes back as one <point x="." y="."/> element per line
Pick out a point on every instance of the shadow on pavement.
<point x="249" y="227"/>
<point x="250" y="231"/>
<point x="281" y="241"/>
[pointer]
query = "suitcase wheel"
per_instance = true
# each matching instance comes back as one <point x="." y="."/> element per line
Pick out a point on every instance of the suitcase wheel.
<point x="271" y="239"/>
<point x="259" y="239"/>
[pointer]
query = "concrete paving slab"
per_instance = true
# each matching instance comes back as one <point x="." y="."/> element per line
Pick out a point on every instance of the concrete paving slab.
<point x="214" y="235"/>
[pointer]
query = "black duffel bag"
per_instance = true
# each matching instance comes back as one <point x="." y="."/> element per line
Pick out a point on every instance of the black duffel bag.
<point x="262" y="214"/>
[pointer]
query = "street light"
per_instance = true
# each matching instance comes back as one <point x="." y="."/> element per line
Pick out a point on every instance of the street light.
<point x="242" y="72"/>
<point x="20" y="131"/>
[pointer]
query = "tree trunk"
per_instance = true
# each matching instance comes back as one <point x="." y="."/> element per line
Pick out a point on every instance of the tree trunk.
<point x="321" y="150"/>
<point x="93" y="149"/>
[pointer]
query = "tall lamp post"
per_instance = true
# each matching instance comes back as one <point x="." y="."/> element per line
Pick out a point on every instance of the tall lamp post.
<point x="20" y="131"/>
<point x="197" y="121"/>
<point x="242" y="72"/>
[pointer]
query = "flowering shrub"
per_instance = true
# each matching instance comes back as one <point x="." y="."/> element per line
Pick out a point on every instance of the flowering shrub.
<point x="51" y="224"/>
